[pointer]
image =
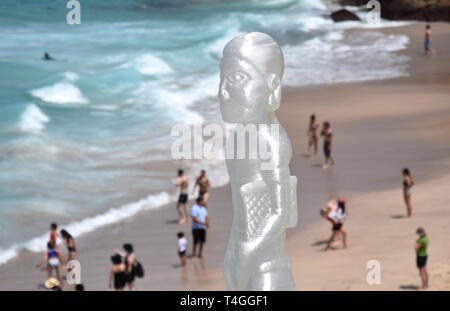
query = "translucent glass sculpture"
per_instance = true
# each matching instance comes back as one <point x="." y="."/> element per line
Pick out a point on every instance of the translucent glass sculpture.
<point x="263" y="192"/>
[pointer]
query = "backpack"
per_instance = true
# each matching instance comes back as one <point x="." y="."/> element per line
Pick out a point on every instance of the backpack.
<point x="138" y="269"/>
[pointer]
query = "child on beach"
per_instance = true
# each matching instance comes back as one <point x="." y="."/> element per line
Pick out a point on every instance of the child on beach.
<point x="427" y="42"/>
<point x="54" y="234"/>
<point x="182" y="246"/>
<point x="53" y="261"/>
<point x="422" y="256"/>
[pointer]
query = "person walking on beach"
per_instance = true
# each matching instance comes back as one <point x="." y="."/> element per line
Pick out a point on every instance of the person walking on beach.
<point x="203" y="184"/>
<point x="53" y="261"/>
<point x="200" y="222"/>
<point x="422" y="256"/>
<point x="337" y="217"/>
<point x="427" y="42"/>
<point x="70" y="243"/>
<point x="408" y="183"/>
<point x="327" y="133"/>
<point x="312" y="135"/>
<point x="117" y="275"/>
<point x="183" y="183"/>
<point x="182" y="247"/>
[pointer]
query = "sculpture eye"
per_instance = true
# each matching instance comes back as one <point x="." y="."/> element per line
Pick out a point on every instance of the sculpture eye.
<point x="237" y="77"/>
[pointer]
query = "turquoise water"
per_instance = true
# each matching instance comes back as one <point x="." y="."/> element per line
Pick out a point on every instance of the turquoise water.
<point x="89" y="131"/>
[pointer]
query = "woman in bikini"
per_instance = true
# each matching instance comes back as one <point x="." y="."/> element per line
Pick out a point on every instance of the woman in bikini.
<point x="70" y="243"/>
<point x="117" y="276"/>
<point x="408" y="183"/>
<point x="312" y="135"/>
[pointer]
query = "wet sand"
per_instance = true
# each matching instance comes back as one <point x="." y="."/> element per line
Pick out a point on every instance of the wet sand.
<point x="380" y="127"/>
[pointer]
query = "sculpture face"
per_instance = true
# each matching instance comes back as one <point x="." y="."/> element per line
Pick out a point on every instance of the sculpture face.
<point x="243" y="91"/>
<point x="250" y="77"/>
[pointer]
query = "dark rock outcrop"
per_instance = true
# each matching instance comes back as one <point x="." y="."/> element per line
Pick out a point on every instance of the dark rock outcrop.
<point x="422" y="10"/>
<point x="354" y="2"/>
<point x="344" y="15"/>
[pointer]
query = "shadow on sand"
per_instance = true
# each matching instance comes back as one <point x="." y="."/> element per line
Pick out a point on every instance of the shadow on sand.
<point x="409" y="287"/>
<point x="397" y="216"/>
<point x="172" y="221"/>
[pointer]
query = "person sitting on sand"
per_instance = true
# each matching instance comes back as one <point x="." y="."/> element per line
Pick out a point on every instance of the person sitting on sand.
<point x="182" y="247"/>
<point x="203" y="184"/>
<point x="70" y="243"/>
<point x="327" y="133"/>
<point x="422" y="256"/>
<point x="312" y="135"/>
<point x="337" y="217"/>
<point x="53" y="261"/>
<point x="200" y="222"/>
<point x="117" y="276"/>
<point x="408" y="183"/>
<point x="182" y="182"/>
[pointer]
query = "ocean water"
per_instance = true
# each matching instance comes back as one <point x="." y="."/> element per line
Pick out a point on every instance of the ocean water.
<point x="85" y="139"/>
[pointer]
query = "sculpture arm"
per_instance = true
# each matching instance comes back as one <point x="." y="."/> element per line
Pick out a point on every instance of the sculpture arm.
<point x="279" y="187"/>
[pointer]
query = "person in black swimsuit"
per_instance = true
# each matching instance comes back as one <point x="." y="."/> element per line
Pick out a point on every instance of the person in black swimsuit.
<point x="130" y="259"/>
<point x="327" y="133"/>
<point x="70" y="243"/>
<point x="117" y="275"/>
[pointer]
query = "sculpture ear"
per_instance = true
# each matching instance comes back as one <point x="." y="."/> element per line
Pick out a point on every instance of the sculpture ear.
<point x="274" y="83"/>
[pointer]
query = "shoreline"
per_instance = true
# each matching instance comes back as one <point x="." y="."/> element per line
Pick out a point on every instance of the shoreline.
<point x="206" y="274"/>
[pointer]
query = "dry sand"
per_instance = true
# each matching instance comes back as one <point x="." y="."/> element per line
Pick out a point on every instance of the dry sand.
<point x="380" y="127"/>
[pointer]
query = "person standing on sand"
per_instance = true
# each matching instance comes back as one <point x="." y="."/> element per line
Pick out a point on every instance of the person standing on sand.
<point x="183" y="183"/>
<point x="200" y="222"/>
<point x="117" y="276"/>
<point x="129" y="259"/>
<point x="427" y="42"/>
<point x="53" y="261"/>
<point x="337" y="217"/>
<point x="203" y="184"/>
<point x="312" y="135"/>
<point x="54" y="234"/>
<point x="70" y="243"/>
<point x="182" y="247"/>
<point x="422" y="256"/>
<point x="327" y="133"/>
<point x="408" y="183"/>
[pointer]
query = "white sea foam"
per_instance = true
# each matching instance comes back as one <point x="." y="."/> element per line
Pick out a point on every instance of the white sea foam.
<point x="33" y="120"/>
<point x="71" y="76"/>
<point x="60" y="93"/>
<point x="149" y="64"/>
<point x="89" y="224"/>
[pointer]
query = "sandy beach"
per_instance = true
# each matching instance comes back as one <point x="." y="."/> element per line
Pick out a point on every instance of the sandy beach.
<point x="380" y="127"/>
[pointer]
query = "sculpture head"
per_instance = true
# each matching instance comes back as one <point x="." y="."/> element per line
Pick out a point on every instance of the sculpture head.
<point x="250" y="77"/>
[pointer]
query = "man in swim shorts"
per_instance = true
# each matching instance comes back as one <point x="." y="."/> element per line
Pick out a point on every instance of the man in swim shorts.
<point x="203" y="183"/>
<point x="327" y="133"/>
<point x="182" y="182"/>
